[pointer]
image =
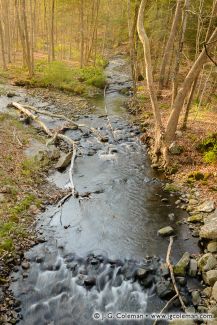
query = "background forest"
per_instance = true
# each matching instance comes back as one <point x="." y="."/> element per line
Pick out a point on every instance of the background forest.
<point x="65" y="44"/>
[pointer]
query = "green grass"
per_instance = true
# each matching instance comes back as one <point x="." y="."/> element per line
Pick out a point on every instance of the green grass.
<point x="60" y="75"/>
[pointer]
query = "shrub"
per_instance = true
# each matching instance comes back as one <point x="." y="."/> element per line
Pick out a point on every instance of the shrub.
<point x="209" y="148"/>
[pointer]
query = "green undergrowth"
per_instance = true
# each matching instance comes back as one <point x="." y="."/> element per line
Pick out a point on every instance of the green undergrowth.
<point x="208" y="146"/>
<point x="20" y="176"/>
<point x="59" y="75"/>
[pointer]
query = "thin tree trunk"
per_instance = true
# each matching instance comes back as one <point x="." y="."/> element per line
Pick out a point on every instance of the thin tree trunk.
<point x="82" y="33"/>
<point x="132" y="33"/>
<point x="184" y="90"/>
<point x="52" y="31"/>
<point x="2" y="46"/>
<point x="193" y="88"/>
<point x="189" y="102"/>
<point x="149" y="75"/>
<point x="181" y="45"/>
<point x="5" y="10"/>
<point x="21" y="32"/>
<point x="28" y="54"/>
<point x="170" y="43"/>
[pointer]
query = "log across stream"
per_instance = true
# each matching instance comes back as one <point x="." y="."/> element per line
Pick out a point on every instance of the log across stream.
<point x="102" y="252"/>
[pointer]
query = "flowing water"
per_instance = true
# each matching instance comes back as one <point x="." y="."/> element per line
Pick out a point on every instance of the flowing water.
<point x="96" y="243"/>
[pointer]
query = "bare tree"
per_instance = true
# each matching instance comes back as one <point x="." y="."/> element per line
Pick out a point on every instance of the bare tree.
<point x="132" y="41"/>
<point x="52" y="31"/>
<point x="170" y="42"/>
<point x="82" y="33"/>
<point x="180" y="49"/>
<point x="193" y="87"/>
<point x="165" y="136"/>
<point x="2" y="46"/>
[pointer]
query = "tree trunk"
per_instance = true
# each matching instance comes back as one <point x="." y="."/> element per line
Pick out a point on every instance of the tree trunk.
<point x="5" y="10"/>
<point x="82" y="33"/>
<point x="27" y="43"/>
<point x="180" y="49"/>
<point x="193" y="88"/>
<point x="21" y="32"/>
<point x="132" y="33"/>
<point x="52" y="31"/>
<point x="149" y="77"/>
<point x="184" y="90"/>
<point x="170" y="43"/>
<point x="2" y="46"/>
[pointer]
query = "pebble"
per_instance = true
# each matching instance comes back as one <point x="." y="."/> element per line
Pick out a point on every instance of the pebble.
<point x="25" y="265"/>
<point x="165" y="200"/>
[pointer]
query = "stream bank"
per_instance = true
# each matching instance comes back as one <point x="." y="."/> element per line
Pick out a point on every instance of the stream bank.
<point x="102" y="249"/>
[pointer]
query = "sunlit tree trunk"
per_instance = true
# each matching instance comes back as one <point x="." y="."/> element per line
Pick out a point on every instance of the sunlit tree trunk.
<point x="193" y="88"/>
<point x="163" y="138"/>
<point x="2" y="46"/>
<point x="81" y="33"/>
<point x="170" y="42"/>
<point x="132" y="42"/>
<point x="26" y="35"/>
<point x="52" y="31"/>
<point x="5" y="16"/>
<point x="180" y="49"/>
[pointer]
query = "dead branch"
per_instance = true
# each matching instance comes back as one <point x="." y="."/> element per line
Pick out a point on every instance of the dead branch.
<point x="63" y="117"/>
<point x="34" y="117"/>
<point x="71" y="170"/>
<point x="165" y="307"/>
<point x="208" y="55"/>
<point x="172" y="274"/>
<point x="53" y="136"/>
<point x="59" y="116"/>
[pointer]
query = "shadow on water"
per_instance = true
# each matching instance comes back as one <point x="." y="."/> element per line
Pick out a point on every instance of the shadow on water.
<point x="96" y="243"/>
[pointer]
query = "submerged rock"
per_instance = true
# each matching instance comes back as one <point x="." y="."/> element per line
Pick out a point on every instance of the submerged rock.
<point x="164" y="288"/>
<point x="166" y="231"/>
<point x="196" y="299"/>
<point x="141" y="273"/>
<point x="181" y="267"/>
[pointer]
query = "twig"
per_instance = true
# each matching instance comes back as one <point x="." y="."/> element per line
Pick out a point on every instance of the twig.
<point x="17" y="138"/>
<point x="71" y="170"/>
<point x="165" y="307"/>
<point x="172" y="274"/>
<point x="207" y="53"/>
<point x="53" y="136"/>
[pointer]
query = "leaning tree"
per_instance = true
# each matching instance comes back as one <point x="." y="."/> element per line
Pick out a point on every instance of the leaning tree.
<point x="165" y="135"/>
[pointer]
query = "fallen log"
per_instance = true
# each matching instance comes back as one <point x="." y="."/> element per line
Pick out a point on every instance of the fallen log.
<point x="63" y="117"/>
<point x="53" y="136"/>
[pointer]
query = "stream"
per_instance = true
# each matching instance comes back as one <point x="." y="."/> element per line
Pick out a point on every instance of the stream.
<point x="98" y="245"/>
